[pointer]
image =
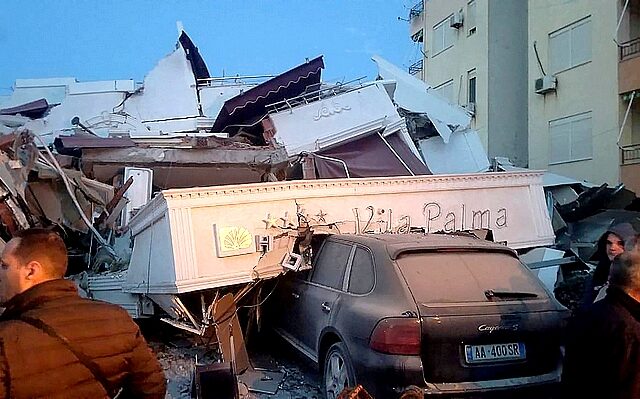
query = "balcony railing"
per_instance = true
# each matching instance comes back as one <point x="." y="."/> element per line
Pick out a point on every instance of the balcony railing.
<point x="416" y="10"/>
<point x="416" y="67"/>
<point x="631" y="154"/>
<point x="630" y="49"/>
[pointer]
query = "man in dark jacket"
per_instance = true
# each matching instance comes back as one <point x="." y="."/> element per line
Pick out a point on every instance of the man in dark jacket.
<point x="55" y="344"/>
<point x="603" y="344"/>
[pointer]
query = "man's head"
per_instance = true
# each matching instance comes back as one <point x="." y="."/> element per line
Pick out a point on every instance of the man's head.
<point x="31" y="257"/>
<point x="625" y="273"/>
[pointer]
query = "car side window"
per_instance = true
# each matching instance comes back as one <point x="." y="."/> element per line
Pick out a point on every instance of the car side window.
<point x="330" y="265"/>
<point x="362" y="274"/>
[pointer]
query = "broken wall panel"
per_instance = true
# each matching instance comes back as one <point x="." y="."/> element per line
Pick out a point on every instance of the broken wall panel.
<point x="463" y="153"/>
<point x="330" y="121"/>
<point x="186" y="167"/>
<point x="412" y="94"/>
<point x="193" y="239"/>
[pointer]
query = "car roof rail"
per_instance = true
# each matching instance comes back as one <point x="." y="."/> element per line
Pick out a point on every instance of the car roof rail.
<point x="481" y="234"/>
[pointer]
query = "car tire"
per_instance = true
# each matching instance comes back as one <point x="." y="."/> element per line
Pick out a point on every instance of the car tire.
<point x="337" y="371"/>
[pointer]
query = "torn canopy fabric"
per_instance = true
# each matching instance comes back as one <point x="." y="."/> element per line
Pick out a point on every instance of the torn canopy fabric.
<point x="250" y="106"/>
<point x="369" y="156"/>
<point x="416" y="96"/>
<point x="200" y="70"/>
<point x="34" y="109"/>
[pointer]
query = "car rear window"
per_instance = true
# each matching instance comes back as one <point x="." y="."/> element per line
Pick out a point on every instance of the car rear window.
<point x="446" y="277"/>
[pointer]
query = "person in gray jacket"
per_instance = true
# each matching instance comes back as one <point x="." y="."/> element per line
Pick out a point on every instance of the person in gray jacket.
<point x="603" y="343"/>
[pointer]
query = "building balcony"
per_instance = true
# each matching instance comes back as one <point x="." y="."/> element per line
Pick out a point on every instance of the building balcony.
<point x="416" y="68"/>
<point x="416" y="22"/>
<point x="630" y="168"/>
<point x="631" y="154"/>
<point x="629" y="66"/>
<point x="416" y="10"/>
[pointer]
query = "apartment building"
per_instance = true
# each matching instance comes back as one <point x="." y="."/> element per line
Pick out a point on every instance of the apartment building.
<point x="475" y="56"/>
<point x="555" y="79"/>
<point x="629" y="94"/>
<point x="575" y="99"/>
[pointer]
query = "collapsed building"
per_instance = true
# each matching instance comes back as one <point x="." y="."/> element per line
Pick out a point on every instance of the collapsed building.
<point x="179" y="196"/>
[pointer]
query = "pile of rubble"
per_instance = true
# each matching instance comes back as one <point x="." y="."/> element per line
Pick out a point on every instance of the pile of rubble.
<point x="136" y="176"/>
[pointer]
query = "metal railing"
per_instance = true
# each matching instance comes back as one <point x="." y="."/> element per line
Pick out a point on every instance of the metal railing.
<point x="416" y="10"/>
<point x="416" y="67"/>
<point x="218" y="81"/>
<point x="631" y="154"/>
<point x="630" y="49"/>
<point x="315" y="93"/>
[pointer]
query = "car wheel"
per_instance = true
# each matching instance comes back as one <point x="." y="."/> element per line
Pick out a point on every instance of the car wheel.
<point x="338" y="371"/>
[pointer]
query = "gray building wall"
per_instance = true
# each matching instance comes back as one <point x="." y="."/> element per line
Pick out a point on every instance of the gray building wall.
<point x="508" y="80"/>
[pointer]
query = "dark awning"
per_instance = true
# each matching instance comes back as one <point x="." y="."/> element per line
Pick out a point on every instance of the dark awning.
<point x="34" y="109"/>
<point x="250" y="106"/>
<point x="369" y="157"/>
<point x="200" y="70"/>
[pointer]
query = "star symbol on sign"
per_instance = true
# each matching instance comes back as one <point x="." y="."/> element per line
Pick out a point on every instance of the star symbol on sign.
<point x="321" y="216"/>
<point x="270" y="221"/>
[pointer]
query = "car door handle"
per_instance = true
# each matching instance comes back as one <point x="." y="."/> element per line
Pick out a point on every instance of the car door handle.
<point x="325" y="307"/>
<point x="295" y="295"/>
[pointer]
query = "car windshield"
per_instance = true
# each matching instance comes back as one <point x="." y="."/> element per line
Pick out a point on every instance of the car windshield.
<point x="448" y="277"/>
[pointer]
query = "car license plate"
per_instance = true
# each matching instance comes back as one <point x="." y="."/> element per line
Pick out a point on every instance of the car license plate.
<point x="494" y="352"/>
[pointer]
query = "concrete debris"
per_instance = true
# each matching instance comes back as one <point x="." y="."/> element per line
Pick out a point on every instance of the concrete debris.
<point x="177" y="200"/>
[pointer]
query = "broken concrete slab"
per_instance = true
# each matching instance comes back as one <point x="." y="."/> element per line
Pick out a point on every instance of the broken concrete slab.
<point x="417" y="96"/>
<point x="463" y="153"/>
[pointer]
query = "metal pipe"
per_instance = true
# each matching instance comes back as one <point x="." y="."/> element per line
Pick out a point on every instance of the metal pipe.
<point x="624" y="9"/>
<point x="396" y="154"/>
<point x="236" y="77"/>
<point x="624" y="121"/>
<point x="344" y="164"/>
<point x="65" y="180"/>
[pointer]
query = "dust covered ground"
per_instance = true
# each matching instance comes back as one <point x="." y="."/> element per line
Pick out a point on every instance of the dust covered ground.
<point x="177" y="353"/>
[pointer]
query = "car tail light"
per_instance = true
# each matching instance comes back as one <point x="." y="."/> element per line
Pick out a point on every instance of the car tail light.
<point x="396" y="336"/>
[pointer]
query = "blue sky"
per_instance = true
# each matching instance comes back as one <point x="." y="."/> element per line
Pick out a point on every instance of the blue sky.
<point x="124" y="39"/>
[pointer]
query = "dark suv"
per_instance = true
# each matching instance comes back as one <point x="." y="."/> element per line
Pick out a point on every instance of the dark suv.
<point x="449" y="314"/>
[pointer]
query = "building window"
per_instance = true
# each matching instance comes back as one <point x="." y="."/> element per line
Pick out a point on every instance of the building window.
<point x="570" y="46"/>
<point x="471" y="86"/>
<point x="445" y="90"/>
<point x="442" y="36"/>
<point x="570" y="139"/>
<point x="471" y="18"/>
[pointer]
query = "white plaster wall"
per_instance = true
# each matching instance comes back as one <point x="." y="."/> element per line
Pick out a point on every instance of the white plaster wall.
<point x="590" y="87"/>
<point x="169" y="91"/>
<point x="334" y="119"/>
<point x="467" y="52"/>
<point x="175" y="244"/>
<point x="84" y="106"/>
<point x="213" y="98"/>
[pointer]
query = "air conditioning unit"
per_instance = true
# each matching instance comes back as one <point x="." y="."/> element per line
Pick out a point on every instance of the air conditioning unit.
<point x="456" y="20"/>
<point x="546" y="84"/>
<point x="471" y="108"/>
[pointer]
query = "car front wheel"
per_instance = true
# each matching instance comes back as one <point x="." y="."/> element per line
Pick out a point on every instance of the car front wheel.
<point x="338" y="371"/>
